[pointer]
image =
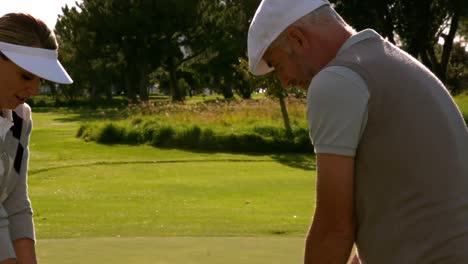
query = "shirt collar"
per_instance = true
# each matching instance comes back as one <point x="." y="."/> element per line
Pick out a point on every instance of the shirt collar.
<point x="360" y="36"/>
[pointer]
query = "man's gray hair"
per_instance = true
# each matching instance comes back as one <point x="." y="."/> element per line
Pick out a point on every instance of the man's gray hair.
<point x="318" y="18"/>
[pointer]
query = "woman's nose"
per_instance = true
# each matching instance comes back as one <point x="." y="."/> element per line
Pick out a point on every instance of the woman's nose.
<point x="34" y="88"/>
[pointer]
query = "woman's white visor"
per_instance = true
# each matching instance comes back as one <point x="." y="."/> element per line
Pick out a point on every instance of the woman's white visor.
<point x="40" y="62"/>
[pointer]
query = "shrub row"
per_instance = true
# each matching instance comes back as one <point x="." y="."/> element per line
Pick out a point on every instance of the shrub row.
<point x="193" y="137"/>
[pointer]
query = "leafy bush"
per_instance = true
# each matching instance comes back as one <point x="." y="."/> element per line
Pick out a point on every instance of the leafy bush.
<point x="163" y="136"/>
<point x="110" y="134"/>
<point x="197" y="138"/>
<point x="231" y="126"/>
<point x="269" y="131"/>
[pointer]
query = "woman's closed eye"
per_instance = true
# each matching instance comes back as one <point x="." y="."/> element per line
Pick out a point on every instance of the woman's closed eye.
<point x="27" y="77"/>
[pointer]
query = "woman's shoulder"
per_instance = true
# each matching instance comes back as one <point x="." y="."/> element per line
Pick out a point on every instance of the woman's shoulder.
<point x="23" y="111"/>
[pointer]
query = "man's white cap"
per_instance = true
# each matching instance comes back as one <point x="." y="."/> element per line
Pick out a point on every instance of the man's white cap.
<point x="43" y="63"/>
<point x="272" y="18"/>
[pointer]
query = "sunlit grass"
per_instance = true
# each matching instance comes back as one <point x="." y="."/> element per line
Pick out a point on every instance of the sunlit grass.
<point x="172" y="250"/>
<point x="84" y="189"/>
<point x="224" y="113"/>
<point x="462" y="102"/>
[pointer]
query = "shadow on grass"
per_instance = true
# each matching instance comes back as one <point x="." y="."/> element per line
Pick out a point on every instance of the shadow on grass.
<point x="294" y="160"/>
<point x="298" y="161"/>
<point x="107" y="163"/>
<point x="303" y="161"/>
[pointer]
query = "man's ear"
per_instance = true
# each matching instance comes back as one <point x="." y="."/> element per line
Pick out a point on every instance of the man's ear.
<point x="297" y="38"/>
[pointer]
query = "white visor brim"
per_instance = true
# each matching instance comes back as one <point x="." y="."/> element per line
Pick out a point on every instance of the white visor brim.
<point x="43" y="63"/>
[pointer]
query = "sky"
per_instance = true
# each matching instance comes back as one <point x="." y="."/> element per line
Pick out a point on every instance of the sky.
<point x="46" y="10"/>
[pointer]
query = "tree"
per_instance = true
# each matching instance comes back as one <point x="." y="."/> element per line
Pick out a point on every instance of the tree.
<point x="229" y="24"/>
<point x="273" y="87"/>
<point x="423" y="24"/>
<point x="457" y="74"/>
<point x="94" y="65"/>
<point x="125" y="41"/>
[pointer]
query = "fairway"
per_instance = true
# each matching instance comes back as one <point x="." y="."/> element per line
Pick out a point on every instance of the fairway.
<point x="97" y="203"/>
<point x="173" y="250"/>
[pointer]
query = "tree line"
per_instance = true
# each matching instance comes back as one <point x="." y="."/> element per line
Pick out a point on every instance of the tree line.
<point x="183" y="46"/>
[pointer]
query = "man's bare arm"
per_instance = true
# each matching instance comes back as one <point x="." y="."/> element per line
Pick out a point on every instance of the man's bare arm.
<point x="25" y="251"/>
<point x="332" y="233"/>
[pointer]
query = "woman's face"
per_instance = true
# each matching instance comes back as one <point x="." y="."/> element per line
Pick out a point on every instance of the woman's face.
<point x="16" y="84"/>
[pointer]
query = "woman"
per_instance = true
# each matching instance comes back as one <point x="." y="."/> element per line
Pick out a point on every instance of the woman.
<point x="28" y="52"/>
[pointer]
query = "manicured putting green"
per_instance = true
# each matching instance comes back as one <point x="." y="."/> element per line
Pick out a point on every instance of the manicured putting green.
<point x="172" y="250"/>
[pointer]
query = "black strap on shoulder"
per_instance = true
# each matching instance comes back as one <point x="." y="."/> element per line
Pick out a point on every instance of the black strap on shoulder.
<point x="16" y="130"/>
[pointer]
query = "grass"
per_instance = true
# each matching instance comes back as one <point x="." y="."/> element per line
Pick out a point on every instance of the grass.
<point x="226" y="114"/>
<point x="98" y="203"/>
<point x="462" y="102"/>
<point x="173" y="199"/>
<point x="173" y="250"/>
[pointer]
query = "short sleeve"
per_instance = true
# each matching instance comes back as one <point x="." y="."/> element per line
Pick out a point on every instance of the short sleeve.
<point x="337" y="110"/>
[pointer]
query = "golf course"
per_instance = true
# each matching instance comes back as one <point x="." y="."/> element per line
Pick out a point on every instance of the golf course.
<point x="180" y="132"/>
<point x="97" y="203"/>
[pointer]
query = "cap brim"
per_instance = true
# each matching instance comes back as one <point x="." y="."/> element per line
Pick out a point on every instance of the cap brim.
<point x="46" y="68"/>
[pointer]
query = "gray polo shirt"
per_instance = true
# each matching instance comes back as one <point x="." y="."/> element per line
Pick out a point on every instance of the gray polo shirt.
<point x="337" y="106"/>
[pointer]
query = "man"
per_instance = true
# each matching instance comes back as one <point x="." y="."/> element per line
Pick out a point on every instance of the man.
<point x="391" y="145"/>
